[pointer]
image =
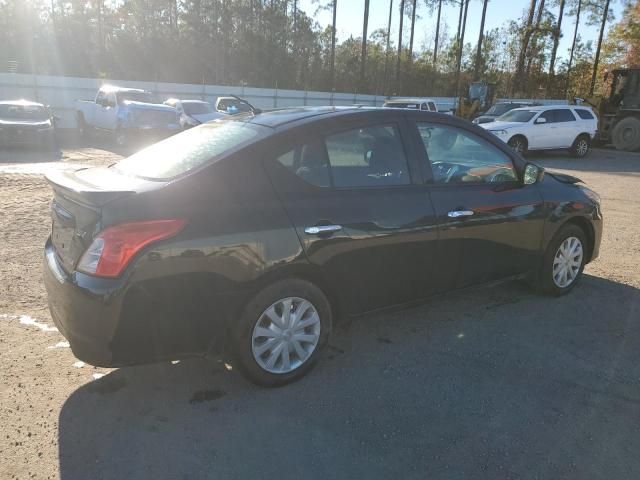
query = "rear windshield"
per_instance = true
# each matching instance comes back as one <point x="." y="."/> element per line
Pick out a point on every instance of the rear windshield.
<point x="23" y="112"/>
<point x="584" y="114"/>
<point x="517" y="116"/>
<point x="196" y="108"/>
<point x="188" y="150"/>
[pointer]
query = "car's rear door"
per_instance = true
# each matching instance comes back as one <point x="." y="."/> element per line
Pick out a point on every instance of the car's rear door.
<point x="490" y="224"/>
<point x="362" y="216"/>
<point x="567" y="128"/>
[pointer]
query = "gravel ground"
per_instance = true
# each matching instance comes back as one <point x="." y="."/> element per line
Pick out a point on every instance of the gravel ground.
<point x="495" y="382"/>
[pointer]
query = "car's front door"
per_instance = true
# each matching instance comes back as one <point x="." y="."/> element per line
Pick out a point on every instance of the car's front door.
<point x="490" y="223"/>
<point x="543" y="135"/>
<point x="360" y="212"/>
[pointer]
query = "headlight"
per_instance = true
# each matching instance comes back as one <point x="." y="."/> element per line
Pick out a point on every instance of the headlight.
<point x="590" y="194"/>
<point x="499" y="133"/>
<point x="476" y="121"/>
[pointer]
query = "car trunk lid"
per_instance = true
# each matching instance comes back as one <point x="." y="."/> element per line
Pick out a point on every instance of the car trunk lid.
<point x="79" y="197"/>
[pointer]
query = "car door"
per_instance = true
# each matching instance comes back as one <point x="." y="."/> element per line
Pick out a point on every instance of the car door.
<point x="98" y="117"/>
<point x="567" y="128"/>
<point x="543" y="135"/>
<point x="490" y="224"/>
<point x="361" y="214"/>
<point x="109" y="112"/>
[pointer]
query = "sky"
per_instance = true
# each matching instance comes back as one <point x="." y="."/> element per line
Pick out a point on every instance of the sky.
<point x="350" y="15"/>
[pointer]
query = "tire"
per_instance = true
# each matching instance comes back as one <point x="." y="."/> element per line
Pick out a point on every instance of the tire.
<point x="83" y="128"/>
<point x="626" y="134"/>
<point x="581" y="146"/>
<point x="519" y="144"/>
<point x="120" y="137"/>
<point x="254" y="350"/>
<point x="549" y="279"/>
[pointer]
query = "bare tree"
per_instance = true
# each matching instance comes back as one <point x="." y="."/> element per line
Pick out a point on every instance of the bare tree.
<point x="460" y="47"/>
<point x="573" y="47"/>
<point x="557" y="33"/>
<point x="386" y="54"/>
<point x="365" y="24"/>
<point x="605" y="15"/>
<point x="524" y="46"/>
<point x="399" y="59"/>
<point x="333" y="46"/>
<point x="435" y="48"/>
<point x="476" y="71"/>
<point x="413" y="26"/>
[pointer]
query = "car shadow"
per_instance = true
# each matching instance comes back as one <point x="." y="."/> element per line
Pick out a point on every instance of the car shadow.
<point x="29" y="154"/>
<point x="599" y="160"/>
<point x="489" y="383"/>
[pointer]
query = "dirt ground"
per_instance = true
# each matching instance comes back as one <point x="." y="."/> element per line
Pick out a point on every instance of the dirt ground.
<point x="493" y="383"/>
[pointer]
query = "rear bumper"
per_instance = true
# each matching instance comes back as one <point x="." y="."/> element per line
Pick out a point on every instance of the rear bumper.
<point x="85" y="309"/>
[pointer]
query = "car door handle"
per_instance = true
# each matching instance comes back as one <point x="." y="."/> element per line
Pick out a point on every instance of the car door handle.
<point x="320" y="229"/>
<point x="459" y="213"/>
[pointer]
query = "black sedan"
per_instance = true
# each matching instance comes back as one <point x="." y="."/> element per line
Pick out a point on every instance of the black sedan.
<point x="27" y="123"/>
<point x="255" y="233"/>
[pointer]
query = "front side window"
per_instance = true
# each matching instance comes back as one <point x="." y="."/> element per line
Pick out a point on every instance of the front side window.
<point x="548" y="115"/>
<point x="522" y="116"/>
<point x="362" y="157"/>
<point x="457" y="156"/>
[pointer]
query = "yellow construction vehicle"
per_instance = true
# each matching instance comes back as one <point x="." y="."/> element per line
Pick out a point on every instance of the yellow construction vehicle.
<point x="479" y="100"/>
<point x="619" y="112"/>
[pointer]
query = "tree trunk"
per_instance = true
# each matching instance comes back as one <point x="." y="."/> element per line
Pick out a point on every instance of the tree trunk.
<point x="476" y="71"/>
<point x="435" y="48"/>
<point x="365" y="24"/>
<point x="333" y="47"/>
<point x="413" y="26"/>
<point x="398" y="60"/>
<point x="461" y="46"/>
<point x="534" y="38"/>
<point x="519" y="74"/>
<point x="556" y="41"/>
<point x="386" y="53"/>
<point x="573" y="47"/>
<point x="460" y="20"/>
<point x="597" y="60"/>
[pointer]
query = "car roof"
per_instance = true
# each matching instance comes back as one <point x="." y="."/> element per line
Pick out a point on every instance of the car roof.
<point x="22" y="102"/>
<point x="284" y="116"/>
<point x="114" y="89"/>
<point x="538" y="108"/>
<point x="409" y="99"/>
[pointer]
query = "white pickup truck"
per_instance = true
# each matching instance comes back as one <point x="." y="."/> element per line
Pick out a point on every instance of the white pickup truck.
<point x="126" y="113"/>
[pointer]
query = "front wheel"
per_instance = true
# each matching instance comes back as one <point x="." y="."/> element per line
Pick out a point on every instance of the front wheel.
<point x="121" y="138"/>
<point x="281" y="332"/>
<point x="563" y="261"/>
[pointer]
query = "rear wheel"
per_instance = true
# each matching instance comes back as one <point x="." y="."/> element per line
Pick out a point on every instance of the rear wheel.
<point x="519" y="144"/>
<point x="563" y="261"/>
<point x="626" y="134"/>
<point x="581" y="146"/>
<point x="281" y="332"/>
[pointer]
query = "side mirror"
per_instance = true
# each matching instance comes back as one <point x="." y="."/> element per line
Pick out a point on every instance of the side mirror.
<point x="532" y="174"/>
<point x="540" y="120"/>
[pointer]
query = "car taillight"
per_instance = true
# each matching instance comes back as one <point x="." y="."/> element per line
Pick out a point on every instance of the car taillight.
<point x="114" y="247"/>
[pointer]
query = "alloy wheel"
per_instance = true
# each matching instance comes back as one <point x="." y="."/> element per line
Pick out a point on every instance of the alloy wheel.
<point x="567" y="262"/>
<point x="517" y="145"/>
<point x="285" y="335"/>
<point x="582" y="147"/>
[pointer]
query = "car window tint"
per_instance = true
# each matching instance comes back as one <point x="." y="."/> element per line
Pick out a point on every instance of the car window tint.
<point x="564" y="115"/>
<point x="549" y="115"/>
<point x="309" y="162"/>
<point x="584" y="114"/>
<point x="458" y="156"/>
<point x="432" y="107"/>
<point x="364" y="157"/>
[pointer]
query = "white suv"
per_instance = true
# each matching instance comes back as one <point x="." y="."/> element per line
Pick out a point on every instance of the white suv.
<point x="546" y="128"/>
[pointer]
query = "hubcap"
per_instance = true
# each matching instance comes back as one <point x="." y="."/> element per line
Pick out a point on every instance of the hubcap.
<point x="518" y="146"/>
<point x="567" y="262"/>
<point x="285" y="335"/>
<point x="582" y="147"/>
<point x="627" y="134"/>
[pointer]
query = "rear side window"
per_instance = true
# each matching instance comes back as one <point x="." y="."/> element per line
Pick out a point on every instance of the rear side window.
<point x="363" y="157"/>
<point x="584" y="114"/>
<point x="564" y="115"/>
<point x="432" y="107"/>
<point x="188" y="150"/>
<point x="549" y="115"/>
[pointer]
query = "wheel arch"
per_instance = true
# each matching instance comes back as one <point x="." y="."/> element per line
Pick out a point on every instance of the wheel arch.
<point x="588" y="230"/>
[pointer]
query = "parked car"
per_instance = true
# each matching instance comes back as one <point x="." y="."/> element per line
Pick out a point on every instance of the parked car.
<point x="27" y="123"/>
<point x="127" y="114"/>
<point x="193" y="112"/>
<point x="500" y="109"/>
<point x="233" y="105"/>
<point x="255" y="233"/>
<point x="412" y="103"/>
<point x="547" y="128"/>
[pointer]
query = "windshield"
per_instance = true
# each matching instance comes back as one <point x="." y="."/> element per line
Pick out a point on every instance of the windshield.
<point x="23" y="112"/>
<point x="188" y="150"/>
<point x="500" y="108"/>
<point x="517" y="116"/>
<point x="232" y="105"/>
<point x="196" y="108"/>
<point x="134" y="96"/>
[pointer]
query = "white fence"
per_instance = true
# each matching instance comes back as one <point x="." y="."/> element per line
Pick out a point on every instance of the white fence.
<point x="62" y="92"/>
